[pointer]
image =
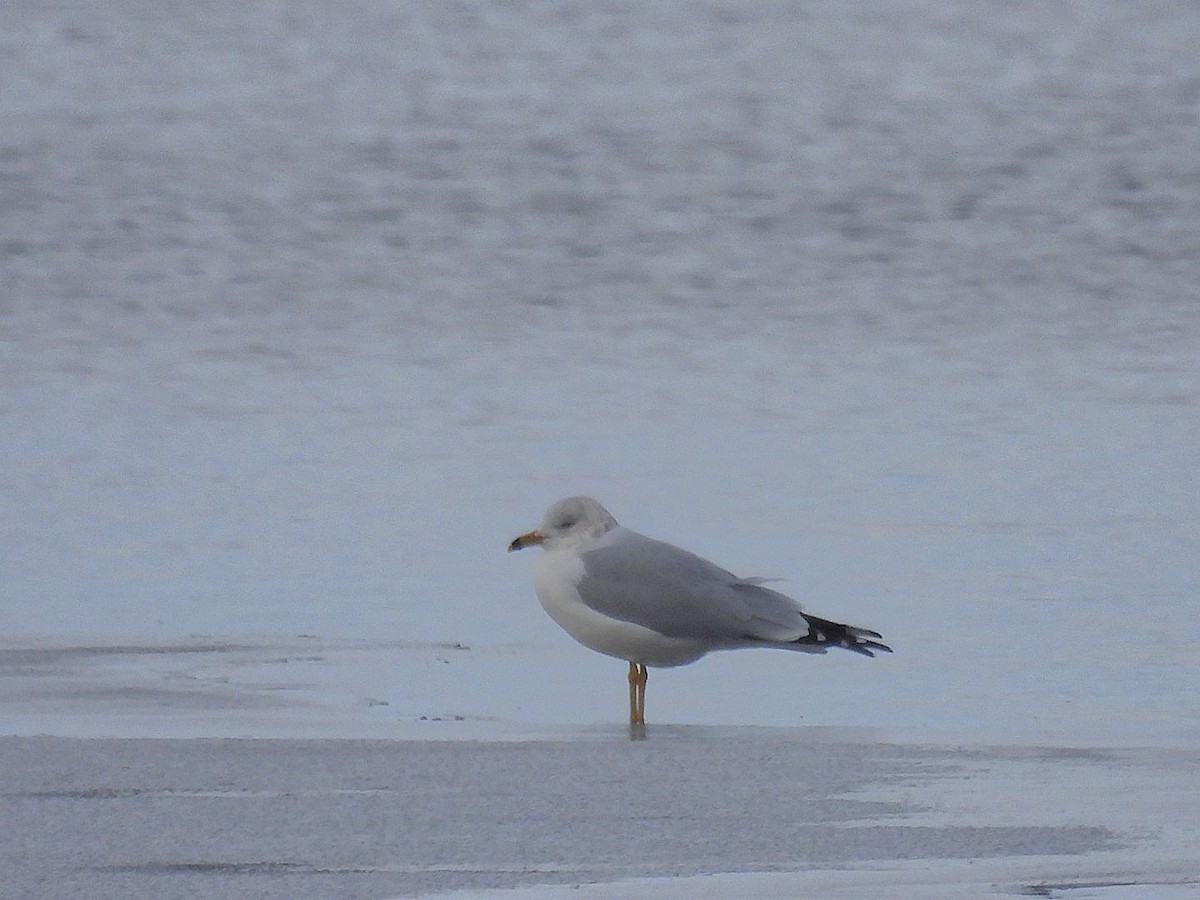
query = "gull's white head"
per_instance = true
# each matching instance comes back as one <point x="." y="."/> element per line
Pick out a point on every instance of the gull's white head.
<point x="571" y="521"/>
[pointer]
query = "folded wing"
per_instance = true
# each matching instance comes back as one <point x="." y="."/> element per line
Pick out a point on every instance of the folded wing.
<point x="659" y="586"/>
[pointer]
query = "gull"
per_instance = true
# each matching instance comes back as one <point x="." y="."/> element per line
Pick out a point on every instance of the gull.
<point x="654" y="604"/>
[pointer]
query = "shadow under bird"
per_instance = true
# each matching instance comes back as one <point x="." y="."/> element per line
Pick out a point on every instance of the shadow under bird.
<point x="653" y="604"/>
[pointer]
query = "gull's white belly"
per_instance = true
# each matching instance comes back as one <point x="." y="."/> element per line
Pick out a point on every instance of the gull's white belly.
<point x="555" y="577"/>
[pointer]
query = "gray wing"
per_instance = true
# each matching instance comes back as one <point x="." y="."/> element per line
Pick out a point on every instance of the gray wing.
<point x="676" y="593"/>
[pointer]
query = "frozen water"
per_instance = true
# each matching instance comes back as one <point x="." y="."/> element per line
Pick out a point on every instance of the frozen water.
<point x="298" y="819"/>
<point x="305" y="312"/>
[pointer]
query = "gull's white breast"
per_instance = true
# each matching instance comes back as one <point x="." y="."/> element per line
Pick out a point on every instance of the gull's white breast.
<point x="556" y="575"/>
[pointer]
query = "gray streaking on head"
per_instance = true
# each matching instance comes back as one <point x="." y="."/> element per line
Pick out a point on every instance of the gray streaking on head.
<point x="654" y="604"/>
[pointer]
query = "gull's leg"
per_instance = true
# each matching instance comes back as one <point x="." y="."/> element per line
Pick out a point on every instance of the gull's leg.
<point x="643" y="677"/>
<point x="634" y="715"/>
<point x="638" y="674"/>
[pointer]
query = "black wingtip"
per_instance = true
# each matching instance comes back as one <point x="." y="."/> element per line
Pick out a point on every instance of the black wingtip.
<point x="826" y="633"/>
<point x="865" y="647"/>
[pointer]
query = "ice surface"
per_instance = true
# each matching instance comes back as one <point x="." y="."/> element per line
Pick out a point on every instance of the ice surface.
<point x="446" y="788"/>
<point x="305" y="315"/>
<point x="353" y="819"/>
<point x="921" y="881"/>
<point x="305" y="311"/>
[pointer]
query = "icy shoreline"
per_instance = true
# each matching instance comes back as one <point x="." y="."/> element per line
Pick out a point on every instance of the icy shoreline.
<point x="311" y="768"/>
<point x="308" y="687"/>
<point x="352" y="818"/>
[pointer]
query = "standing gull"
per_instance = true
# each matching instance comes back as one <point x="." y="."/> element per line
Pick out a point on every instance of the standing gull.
<point x="653" y="604"/>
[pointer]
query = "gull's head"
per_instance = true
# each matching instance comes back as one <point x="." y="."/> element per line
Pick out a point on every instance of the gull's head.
<point x="575" y="520"/>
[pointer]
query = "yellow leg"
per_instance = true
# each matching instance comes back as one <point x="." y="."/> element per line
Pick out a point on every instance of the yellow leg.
<point x="643" y="678"/>
<point x="638" y="674"/>
<point x="633" y="692"/>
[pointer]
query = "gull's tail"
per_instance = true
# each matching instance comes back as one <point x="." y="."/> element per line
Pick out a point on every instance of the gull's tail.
<point x="823" y="633"/>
